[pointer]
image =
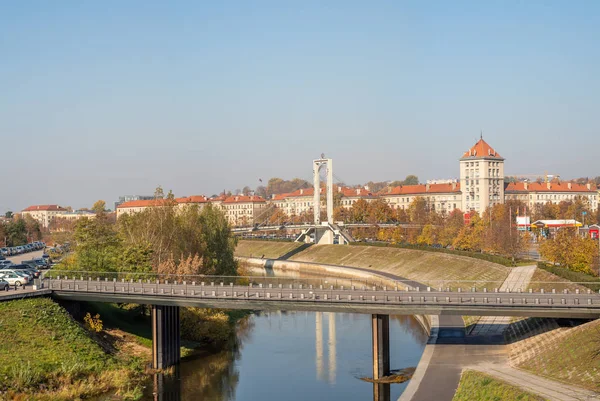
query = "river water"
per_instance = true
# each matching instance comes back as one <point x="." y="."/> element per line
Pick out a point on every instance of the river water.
<point x="295" y="356"/>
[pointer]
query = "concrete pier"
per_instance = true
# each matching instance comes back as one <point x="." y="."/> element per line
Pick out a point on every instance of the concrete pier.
<point x="381" y="345"/>
<point x="381" y="392"/>
<point x="166" y="340"/>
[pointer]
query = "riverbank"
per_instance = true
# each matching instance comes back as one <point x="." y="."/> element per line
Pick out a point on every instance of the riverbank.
<point x="46" y="355"/>
<point x="430" y="268"/>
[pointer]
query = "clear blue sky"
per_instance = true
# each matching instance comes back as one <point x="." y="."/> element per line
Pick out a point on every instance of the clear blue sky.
<point x="105" y="98"/>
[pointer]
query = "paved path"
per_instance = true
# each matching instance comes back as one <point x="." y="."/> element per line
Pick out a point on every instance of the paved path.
<point x="16" y="259"/>
<point x="549" y="389"/>
<point x="518" y="278"/>
<point x="449" y="352"/>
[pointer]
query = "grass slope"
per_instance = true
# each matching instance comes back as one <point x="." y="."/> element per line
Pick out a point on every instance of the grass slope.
<point x="573" y="358"/>
<point x="427" y="267"/>
<point x="45" y="354"/>
<point x="548" y="281"/>
<point x="481" y="387"/>
<point x="270" y="249"/>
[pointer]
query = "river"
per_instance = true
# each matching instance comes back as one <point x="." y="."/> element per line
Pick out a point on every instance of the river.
<point x="295" y="356"/>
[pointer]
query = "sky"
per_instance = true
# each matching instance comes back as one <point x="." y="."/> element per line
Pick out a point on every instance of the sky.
<point x="106" y="98"/>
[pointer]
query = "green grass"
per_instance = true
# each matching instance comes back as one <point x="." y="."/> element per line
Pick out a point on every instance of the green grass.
<point x="573" y="358"/>
<point x="42" y="345"/>
<point x="435" y="269"/>
<point x="38" y="333"/>
<point x="270" y="249"/>
<point x="481" y="387"/>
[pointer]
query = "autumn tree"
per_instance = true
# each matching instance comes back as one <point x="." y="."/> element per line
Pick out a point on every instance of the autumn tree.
<point x="379" y="211"/>
<point x="570" y="250"/>
<point x="452" y="225"/>
<point x="359" y="211"/>
<point x="418" y="211"/>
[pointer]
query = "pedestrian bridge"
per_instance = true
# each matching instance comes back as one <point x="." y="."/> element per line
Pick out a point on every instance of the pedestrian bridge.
<point x="264" y="293"/>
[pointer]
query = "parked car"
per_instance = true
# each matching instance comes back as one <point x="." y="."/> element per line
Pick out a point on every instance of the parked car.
<point x="5" y="263"/>
<point x="42" y="263"/>
<point x="30" y="271"/>
<point x="4" y="285"/>
<point x="13" y="278"/>
<point x="4" y="252"/>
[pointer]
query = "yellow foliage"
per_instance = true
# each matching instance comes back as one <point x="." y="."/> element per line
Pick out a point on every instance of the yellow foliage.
<point x="93" y="323"/>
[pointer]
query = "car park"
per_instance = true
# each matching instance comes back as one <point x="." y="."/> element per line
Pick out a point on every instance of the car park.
<point x="4" y="285"/>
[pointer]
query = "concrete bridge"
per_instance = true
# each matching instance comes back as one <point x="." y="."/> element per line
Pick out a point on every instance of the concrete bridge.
<point x="166" y="295"/>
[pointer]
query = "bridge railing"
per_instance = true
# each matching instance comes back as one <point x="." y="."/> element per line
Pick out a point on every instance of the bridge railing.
<point x="337" y="283"/>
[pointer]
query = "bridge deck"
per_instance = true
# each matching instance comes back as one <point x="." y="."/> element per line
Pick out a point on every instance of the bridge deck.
<point x="357" y="300"/>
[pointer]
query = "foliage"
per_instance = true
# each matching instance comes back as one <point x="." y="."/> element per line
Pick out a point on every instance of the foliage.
<point x="570" y="250"/>
<point x="21" y="231"/>
<point x="188" y="239"/>
<point x="206" y="325"/>
<point x="93" y="323"/>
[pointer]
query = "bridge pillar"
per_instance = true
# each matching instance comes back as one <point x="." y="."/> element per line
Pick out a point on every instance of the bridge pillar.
<point x="165" y="336"/>
<point x="381" y="345"/>
<point x="381" y="392"/>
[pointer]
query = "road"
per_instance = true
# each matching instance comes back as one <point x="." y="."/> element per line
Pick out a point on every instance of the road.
<point x="16" y="259"/>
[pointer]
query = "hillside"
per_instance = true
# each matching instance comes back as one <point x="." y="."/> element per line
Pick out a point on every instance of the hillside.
<point x="570" y="355"/>
<point x="427" y="267"/>
<point x="45" y="354"/>
<point x="270" y="249"/>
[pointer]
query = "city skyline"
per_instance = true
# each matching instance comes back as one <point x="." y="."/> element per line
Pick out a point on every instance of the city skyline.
<point x="106" y="99"/>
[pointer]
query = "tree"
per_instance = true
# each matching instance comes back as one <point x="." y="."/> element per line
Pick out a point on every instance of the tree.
<point x="418" y="211"/>
<point x="411" y="180"/>
<point x="246" y="191"/>
<point x="360" y="211"/>
<point x="451" y="226"/>
<point x="379" y="211"/>
<point x="428" y="236"/>
<point x="16" y="232"/>
<point x="99" y="207"/>
<point x="8" y="215"/>
<point x="97" y="246"/>
<point x="570" y="251"/>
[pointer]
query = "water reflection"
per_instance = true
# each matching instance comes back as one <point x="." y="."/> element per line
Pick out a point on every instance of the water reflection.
<point x="278" y="355"/>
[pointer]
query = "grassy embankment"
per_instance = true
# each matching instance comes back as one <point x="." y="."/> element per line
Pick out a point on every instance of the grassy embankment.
<point x="270" y="249"/>
<point x="570" y="355"/>
<point x="435" y="269"/>
<point x="46" y="355"/>
<point x="481" y="387"/>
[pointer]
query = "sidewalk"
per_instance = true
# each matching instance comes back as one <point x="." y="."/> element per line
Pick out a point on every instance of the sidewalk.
<point x="550" y="389"/>
<point x="518" y="278"/>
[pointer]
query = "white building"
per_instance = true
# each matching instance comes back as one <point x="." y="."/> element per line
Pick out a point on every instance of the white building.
<point x="44" y="214"/>
<point x="481" y="177"/>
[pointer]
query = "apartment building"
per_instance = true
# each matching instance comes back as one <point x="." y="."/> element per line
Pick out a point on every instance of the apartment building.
<point x="301" y="201"/>
<point x="539" y="193"/>
<point x="44" y="214"/>
<point x="241" y="210"/>
<point x="75" y="215"/>
<point x="443" y="198"/>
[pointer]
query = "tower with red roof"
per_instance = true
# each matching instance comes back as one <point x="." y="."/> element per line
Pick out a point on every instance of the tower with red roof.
<point x="481" y="177"/>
